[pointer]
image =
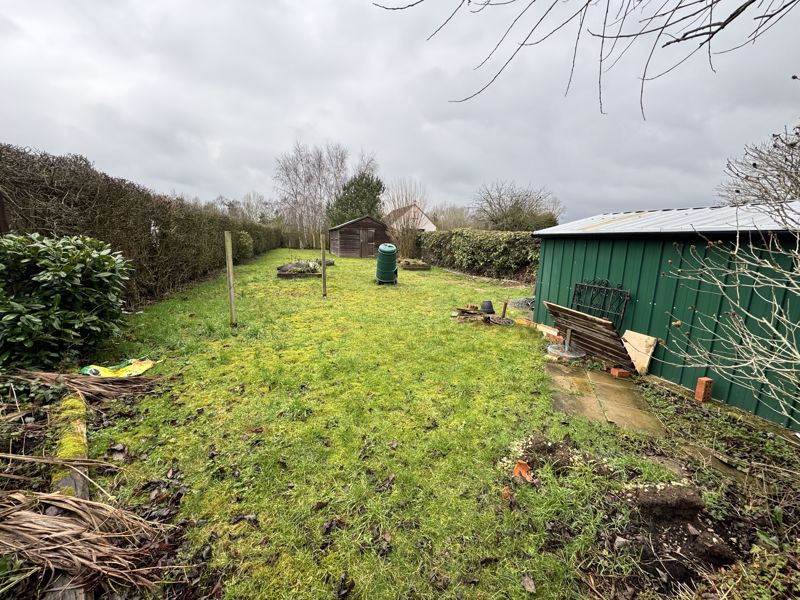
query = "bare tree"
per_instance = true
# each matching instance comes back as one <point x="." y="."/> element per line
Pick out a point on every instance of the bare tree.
<point x="448" y="217"/>
<point x="307" y="180"/>
<point x="405" y="204"/>
<point x="769" y="170"/>
<point x="506" y="206"/>
<point x="253" y="206"/>
<point x="753" y="340"/>
<point x="617" y="25"/>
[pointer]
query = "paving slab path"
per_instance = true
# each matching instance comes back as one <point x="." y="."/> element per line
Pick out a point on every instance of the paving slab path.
<point x="598" y="396"/>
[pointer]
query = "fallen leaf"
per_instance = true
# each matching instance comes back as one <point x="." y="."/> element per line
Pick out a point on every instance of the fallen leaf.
<point x="252" y="519"/>
<point x="529" y="584"/>
<point x="345" y="586"/>
<point x="118" y="452"/>
<point x="387" y="484"/>
<point x="331" y="525"/>
<point x="523" y="470"/>
<point x="508" y="495"/>
<point x="620" y="542"/>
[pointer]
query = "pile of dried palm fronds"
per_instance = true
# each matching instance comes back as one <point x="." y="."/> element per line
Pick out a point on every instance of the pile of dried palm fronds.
<point x="90" y="541"/>
<point x="93" y="388"/>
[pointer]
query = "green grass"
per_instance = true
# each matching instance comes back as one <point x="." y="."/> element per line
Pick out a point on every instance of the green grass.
<point x="321" y="401"/>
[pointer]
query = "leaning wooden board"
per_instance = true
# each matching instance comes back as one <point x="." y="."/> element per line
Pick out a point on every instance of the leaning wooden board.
<point x="593" y="335"/>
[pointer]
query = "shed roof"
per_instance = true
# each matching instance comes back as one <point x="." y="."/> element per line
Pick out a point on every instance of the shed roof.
<point x="707" y="219"/>
<point x="351" y="221"/>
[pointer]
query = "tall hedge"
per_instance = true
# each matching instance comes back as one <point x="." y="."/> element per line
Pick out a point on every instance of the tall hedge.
<point x="499" y="254"/>
<point x="170" y="242"/>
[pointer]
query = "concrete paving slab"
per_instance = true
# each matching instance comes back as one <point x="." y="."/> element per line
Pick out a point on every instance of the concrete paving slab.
<point x="579" y="406"/>
<point x="628" y="417"/>
<point x="600" y="397"/>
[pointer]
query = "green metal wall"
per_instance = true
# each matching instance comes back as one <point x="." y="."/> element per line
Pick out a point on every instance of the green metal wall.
<point x="641" y="265"/>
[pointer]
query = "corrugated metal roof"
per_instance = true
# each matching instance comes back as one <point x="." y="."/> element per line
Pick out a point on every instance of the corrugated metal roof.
<point x="708" y="219"/>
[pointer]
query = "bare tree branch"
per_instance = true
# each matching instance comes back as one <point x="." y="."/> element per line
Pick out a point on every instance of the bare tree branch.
<point x="674" y="22"/>
<point x="753" y="338"/>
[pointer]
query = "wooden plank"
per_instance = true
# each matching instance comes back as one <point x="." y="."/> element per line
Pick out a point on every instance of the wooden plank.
<point x="594" y="335"/>
<point x="324" y="267"/>
<point x="229" y="267"/>
<point x="578" y="314"/>
<point x="74" y="482"/>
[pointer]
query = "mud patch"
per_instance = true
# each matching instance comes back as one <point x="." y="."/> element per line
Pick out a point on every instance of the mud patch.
<point x="675" y="539"/>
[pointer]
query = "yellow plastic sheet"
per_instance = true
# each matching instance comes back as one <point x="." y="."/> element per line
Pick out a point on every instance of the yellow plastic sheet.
<point x="127" y="368"/>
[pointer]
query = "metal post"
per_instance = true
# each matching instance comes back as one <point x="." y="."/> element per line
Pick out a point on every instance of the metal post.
<point x="229" y="266"/>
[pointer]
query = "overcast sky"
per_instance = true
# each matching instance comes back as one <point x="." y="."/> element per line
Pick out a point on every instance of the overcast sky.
<point x="199" y="97"/>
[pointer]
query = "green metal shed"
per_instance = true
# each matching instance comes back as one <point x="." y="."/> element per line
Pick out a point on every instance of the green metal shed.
<point x="633" y="250"/>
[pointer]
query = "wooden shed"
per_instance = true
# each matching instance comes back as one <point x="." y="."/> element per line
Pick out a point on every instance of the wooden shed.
<point x="358" y="238"/>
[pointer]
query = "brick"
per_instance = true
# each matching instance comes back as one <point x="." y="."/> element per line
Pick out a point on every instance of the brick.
<point x="620" y="373"/>
<point x="702" y="393"/>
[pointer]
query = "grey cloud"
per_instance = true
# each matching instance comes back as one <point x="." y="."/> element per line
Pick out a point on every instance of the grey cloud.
<point x="200" y="97"/>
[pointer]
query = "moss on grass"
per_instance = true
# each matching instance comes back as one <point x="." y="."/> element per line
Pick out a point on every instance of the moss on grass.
<point x="70" y="432"/>
<point x="367" y="433"/>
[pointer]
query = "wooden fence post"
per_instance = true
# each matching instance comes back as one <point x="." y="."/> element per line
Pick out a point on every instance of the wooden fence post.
<point x="324" y="267"/>
<point x="229" y="266"/>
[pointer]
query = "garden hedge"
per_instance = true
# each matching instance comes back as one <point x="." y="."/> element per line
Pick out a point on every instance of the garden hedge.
<point x="498" y="254"/>
<point x="170" y="241"/>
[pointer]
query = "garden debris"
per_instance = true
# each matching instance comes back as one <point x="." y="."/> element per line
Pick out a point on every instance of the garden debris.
<point x="299" y="270"/>
<point x="473" y="315"/>
<point x="508" y="497"/>
<point x="525" y="322"/>
<point x="522" y="470"/>
<point x="52" y="460"/>
<point x="252" y="519"/>
<point x="164" y="498"/>
<point x="92" y="542"/>
<point x="93" y="388"/>
<point x="439" y="581"/>
<point x="470" y="313"/>
<point x="118" y="452"/>
<point x="330" y="526"/>
<point x="537" y="450"/>
<point x="344" y="587"/>
<point x="528" y="584"/>
<point x="496" y="320"/>
<point x="432" y="424"/>
<point x="381" y="542"/>
<point x="641" y="348"/>
<point x="127" y="368"/>
<point x="386" y="485"/>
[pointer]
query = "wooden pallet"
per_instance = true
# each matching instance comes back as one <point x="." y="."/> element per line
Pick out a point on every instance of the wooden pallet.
<point x="593" y="335"/>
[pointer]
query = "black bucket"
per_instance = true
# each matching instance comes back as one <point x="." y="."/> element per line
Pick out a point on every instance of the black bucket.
<point x="487" y="307"/>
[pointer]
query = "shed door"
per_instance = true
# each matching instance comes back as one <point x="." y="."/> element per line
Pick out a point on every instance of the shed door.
<point x="367" y="243"/>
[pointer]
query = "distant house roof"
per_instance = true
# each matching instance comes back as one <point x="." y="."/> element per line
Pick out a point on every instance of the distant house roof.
<point x="397" y="213"/>
<point x="708" y="219"/>
<point x="351" y="221"/>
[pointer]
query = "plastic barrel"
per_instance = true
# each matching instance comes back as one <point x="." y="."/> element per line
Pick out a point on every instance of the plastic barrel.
<point x="387" y="264"/>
